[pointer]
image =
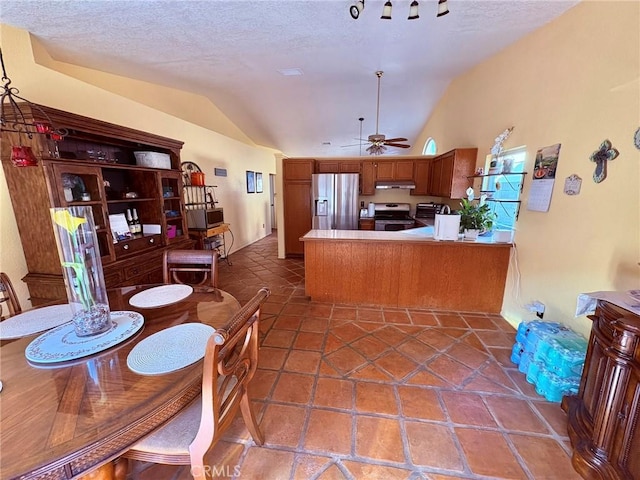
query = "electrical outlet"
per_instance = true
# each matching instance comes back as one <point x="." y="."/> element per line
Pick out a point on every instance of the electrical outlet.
<point x="536" y="307"/>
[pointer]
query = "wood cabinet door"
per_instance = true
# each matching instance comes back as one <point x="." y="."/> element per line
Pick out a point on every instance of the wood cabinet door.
<point x="435" y="174"/>
<point x="366" y="224"/>
<point x="368" y="178"/>
<point x="297" y="215"/>
<point x="385" y="170"/>
<point x="446" y="177"/>
<point x="350" y="167"/>
<point x="404" y="170"/>
<point x="325" y="166"/>
<point x="627" y="438"/>
<point x="464" y="164"/>
<point x="297" y="169"/>
<point x="422" y="168"/>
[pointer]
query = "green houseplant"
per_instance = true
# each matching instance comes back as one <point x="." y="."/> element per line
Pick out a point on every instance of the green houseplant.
<point x="475" y="216"/>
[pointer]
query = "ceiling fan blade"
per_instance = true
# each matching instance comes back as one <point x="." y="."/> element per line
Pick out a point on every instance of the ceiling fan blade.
<point x="397" y="145"/>
<point x="396" y="140"/>
<point x="352" y="145"/>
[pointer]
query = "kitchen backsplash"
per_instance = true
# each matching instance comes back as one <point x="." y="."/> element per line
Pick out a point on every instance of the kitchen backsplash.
<point x="403" y="196"/>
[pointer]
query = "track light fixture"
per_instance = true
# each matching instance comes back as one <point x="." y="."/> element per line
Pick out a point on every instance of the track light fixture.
<point x="413" y="10"/>
<point x="356" y="8"/>
<point x="443" y="8"/>
<point x="386" y="11"/>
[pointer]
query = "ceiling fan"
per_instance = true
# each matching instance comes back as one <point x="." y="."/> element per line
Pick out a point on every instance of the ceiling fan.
<point x="378" y="141"/>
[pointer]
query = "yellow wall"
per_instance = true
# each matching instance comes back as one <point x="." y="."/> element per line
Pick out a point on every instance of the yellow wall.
<point x="576" y="81"/>
<point x="54" y="85"/>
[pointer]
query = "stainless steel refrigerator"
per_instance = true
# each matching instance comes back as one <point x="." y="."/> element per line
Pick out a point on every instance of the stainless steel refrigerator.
<point x="334" y="199"/>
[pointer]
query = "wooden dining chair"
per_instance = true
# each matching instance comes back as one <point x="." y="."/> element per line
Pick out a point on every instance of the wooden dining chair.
<point x="8" y="296"/>
<point x="230" y="361"/>
<point x="194" y="267"/>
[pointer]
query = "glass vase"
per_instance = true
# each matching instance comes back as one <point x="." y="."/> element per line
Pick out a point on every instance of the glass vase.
<point x="80" y="259"/>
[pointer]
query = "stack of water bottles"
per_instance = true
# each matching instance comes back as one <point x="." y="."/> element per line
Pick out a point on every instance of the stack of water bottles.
<point x="552" y="356"/>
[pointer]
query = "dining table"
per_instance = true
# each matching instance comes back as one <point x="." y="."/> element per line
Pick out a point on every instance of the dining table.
<point x="64" y="419"/>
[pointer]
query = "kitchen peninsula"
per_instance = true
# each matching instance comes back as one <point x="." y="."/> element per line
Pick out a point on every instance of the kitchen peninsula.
<point x="406" y="270"/>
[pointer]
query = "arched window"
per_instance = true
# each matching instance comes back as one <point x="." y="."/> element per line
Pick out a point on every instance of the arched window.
<point x="429" y="147"/>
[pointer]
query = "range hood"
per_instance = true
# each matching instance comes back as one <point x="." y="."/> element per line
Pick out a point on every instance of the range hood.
<point x="387" y="184"/>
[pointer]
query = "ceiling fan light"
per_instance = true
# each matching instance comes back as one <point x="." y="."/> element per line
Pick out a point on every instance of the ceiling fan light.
<point x="356" y="9"/>
<point x="413" y="10"/>
<point x="443" y="8"/>
<point x="386" y="11"/>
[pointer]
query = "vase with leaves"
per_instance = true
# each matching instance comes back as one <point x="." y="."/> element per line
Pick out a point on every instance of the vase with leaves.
<point x="80" y="259"/>
<point x="476" y="217"/>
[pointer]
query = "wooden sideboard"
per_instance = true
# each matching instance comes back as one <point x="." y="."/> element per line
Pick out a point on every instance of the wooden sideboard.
<point x="604" y="418"/>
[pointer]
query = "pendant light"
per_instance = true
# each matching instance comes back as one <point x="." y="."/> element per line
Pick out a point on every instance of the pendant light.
<point x="356" y="9"/>
<point x="413" y="10"/>
<point x="386" y="11"/>
<point x="443" y="8"/>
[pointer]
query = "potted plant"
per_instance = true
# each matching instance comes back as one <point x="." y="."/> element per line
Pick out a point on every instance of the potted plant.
<point x="475" y="218"/>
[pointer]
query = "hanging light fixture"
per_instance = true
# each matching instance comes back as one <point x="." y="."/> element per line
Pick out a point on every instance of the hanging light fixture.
<point x="413" y="10"/>
<point x="356" y="9"/>
<point x="443" y="8"/>
<point x="386" y="11"/>
<point x="13" y="119"/>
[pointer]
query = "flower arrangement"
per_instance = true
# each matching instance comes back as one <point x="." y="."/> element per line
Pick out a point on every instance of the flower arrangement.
<point x="476" y="216"/>
<point x="75" y="234"/>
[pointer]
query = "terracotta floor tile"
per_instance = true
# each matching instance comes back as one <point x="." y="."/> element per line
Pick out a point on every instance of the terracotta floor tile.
<point x="376" y="398"/>
<point x="303" y="361"/>
<point x="426" y="378"/>
<point x="328" y="370"/>
<point x="279" y="338"/>
<point x="320" y="310"/>
<point x="484" y="385"/>
<point x="379" y="438"/>
<point x="345" y="360"/>
<point x="516" y="414"/>
<point x="396" y="316"/>
<point x="544" y="457"/>
<point x="370" y="372"/>
<point x="477" y="322"/>
<point x="333" y="392"/>
<point x="417" y="402"/>
<point x="435" y="339"/>
<point x="369" y="347"/>
<point x="333" y="472"/>
<point x="348" y="332"/>
<point x="283" y="425"/>
<point x="344" y="313"/>
<point x="451" y="320"/>
<point x="262" y="383"/>
<point x="333" y="343"/>
<point x="370" y="315"/>
<point x="423" y="318"/>
<point x="293" y="388"/>
<point x="309" y="341"/>
<point x="467" y="409"/>
<point x="452" y="371"/>
<point x="493" y="371"/>
<point x="271" y="358"/>
<point x="271" y="308"/>
<point x="287" y="322"/>
<point x="308" y="466"/>
<point x="375" y="472"/>
<point x="317" y="325"/>
<point x="521" y="382"/>
<point x="496" y="338"/>
<point x="502" y="356"/>
<point x="467" y="355"/>
<point x="416" y="350"/>
<point x="266" y="464"/>
<point x="391" y="335"/>
<point x="488" y="453"/>
<point x="295" y="309"/>
<point x="369" y="326"/>
<point x="554" y="415"/>
<point x="329" y="432"/>
<point x="473" y="341"/>
<point x="396" y="364"/>
<point x="433" y="445"/>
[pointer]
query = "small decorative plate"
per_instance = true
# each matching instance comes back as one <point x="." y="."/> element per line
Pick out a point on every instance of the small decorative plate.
<point x="170" y="349"/>
<point x="35" y="321"/>
<point x="62" y="343"/>
<point x="161" y="296"/>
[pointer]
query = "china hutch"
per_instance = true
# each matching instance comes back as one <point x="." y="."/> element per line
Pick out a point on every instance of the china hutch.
<point x="94" y="165"/>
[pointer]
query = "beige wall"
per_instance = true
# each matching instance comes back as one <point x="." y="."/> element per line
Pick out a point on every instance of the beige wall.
<point x="81" y="91"/>
<point x="575" y="81"/>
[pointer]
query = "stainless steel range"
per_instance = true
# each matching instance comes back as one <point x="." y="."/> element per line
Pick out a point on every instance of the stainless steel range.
<point x="393" y="216"/>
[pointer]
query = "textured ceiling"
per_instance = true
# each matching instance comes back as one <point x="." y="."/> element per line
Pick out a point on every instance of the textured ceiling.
<point x="231" y="51"/>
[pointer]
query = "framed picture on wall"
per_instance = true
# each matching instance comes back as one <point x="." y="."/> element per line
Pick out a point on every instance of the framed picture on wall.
<point x="251" y="182"/>
<point x="258" y="182"/>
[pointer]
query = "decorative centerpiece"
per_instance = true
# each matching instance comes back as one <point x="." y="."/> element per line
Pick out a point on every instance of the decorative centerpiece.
<point x="80" y="258"/>
<point x="475" y="218"/>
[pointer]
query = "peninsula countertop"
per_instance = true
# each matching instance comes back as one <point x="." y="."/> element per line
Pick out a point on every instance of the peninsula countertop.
<point x="419" y="235"/>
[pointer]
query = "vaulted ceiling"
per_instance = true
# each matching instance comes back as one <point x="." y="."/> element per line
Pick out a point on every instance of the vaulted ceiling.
<point x="236" y="51"/>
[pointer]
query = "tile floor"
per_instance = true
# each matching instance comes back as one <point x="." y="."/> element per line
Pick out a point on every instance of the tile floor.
<point x="356" y="392"/>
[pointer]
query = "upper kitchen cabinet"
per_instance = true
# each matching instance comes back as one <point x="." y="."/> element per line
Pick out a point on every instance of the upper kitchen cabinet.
<point x="342" y="166"/>
<point x="94" y="166"/>
<point x="422" y="169"/>
<point x="449" y="171"/>
<point x="297" y="175"/>
<point x="394" y="170"/>
<point x="368" y="178"/>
